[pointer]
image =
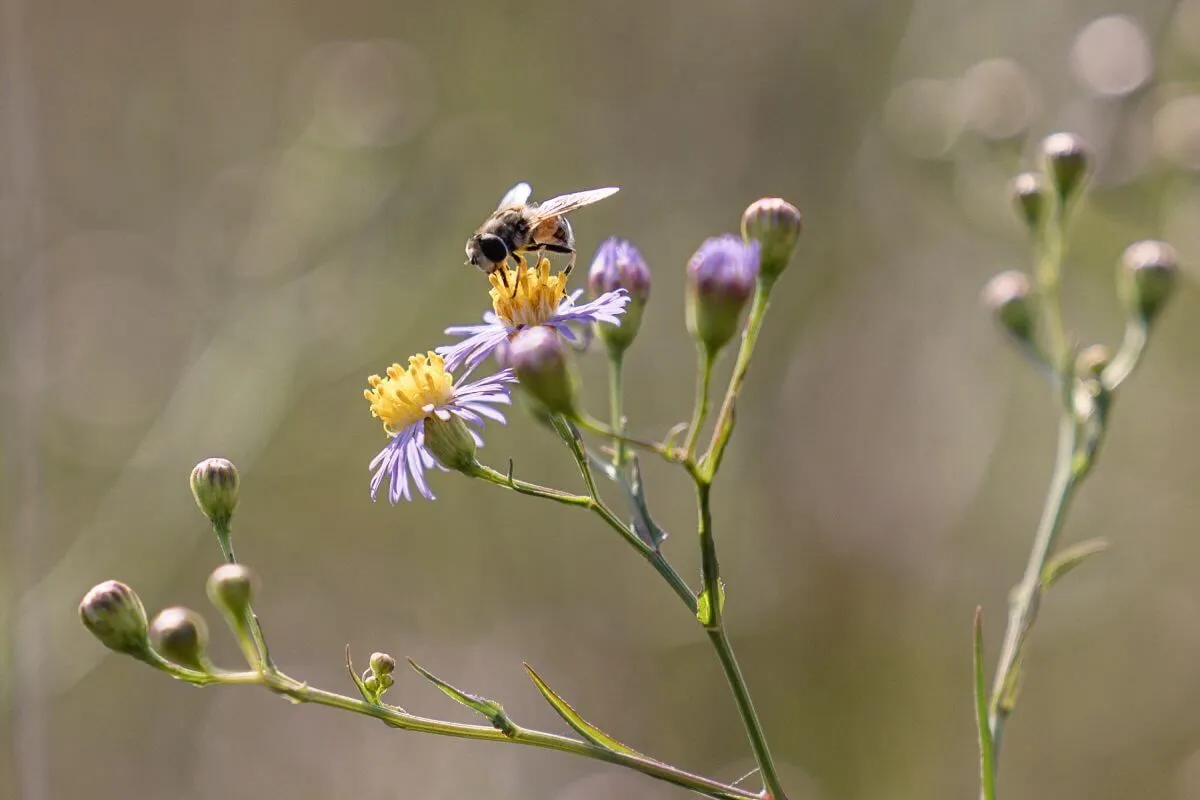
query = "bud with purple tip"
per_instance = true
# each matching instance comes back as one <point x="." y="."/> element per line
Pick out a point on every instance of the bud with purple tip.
<point x="114" y="614"/>
<point x="215" y="486"/>
<point x="539" y="359"/>
<point x="618" y="265"/>
<point x="1146" y="278"/>
<point x="721" y="277"/>
<point x="1067" y="162"/>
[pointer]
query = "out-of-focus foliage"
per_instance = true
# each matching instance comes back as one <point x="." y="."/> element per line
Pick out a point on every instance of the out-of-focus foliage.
<point x="216" y="219"/>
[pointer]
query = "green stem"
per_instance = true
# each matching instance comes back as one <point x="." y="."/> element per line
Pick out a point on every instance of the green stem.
<point x="398" y="718"/>
<point x="726" y="417"/>
<point x="596" y="506"/>
<point x="1027" y="594"/>
<point x="704" y="369"/>
<point x="714" y="626"/>
<point x="225" y="542"/>
<point x="1128" y="356"/>
<point x="616" y="361"/>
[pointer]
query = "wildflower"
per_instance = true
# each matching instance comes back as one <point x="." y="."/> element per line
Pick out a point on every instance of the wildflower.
<point x="409" y="400"/>
<point x="721" y="277"/>
<point x="540" y="299"/>
<point x="618" y="265"/>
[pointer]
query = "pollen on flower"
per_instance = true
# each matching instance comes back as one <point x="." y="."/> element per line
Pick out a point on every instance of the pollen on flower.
<point x="406" y="396"/>
<point x="537" y="295"/>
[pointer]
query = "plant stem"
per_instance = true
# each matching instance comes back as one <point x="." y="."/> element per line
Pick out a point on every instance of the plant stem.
<point x="616" y="362"/>
<point x="225" y="542"/>
<point x="598" y="507"/>
<point x="726" y="417"/>
<point x="1027" y="594"/>
<point x="704" y="369"/>
<point x="398" y="718"/>
<point x="714" y="626"/>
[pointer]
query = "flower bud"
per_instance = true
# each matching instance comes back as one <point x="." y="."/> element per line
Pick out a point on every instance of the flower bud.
<point x="215" y="487"/>
<point x="231" y="588"/>
<point x="618" y="265"/>
<point x="1010" y="299"/>
<point x="1146" y="278"/>
<point x="382" y="664"/>
<point x="115" y="615"/>
<point x="538" y="358"/>
<point x="721" y="277"/>
<point x="1029" y="198"/>
<point x="775" y="224"/>
<point x="1066" y="162"/>
<point x="451" y="442"/>
<point x="180" y="635"/>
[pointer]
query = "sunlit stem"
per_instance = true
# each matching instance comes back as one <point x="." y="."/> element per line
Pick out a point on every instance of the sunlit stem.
<point x="704" y="369"/>
<point x="723" y="428"/>
<point x="616" y="361"/>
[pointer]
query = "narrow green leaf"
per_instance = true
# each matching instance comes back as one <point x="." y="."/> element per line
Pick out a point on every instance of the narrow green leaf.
<point x="362" y="689"/>
<point x="643" y="524"/>
<point x="987" y="767"/>
<point x="490" y="709"/>
<point x="581" y="726"/>
<point x="1068" y="559"/>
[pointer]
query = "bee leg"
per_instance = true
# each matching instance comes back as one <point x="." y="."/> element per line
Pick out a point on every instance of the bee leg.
<point x="560" y="248"/>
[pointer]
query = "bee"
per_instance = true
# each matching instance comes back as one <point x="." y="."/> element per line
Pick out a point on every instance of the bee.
<point x="518" y="226"/>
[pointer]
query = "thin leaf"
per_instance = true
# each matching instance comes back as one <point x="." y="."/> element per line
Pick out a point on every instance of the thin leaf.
<point x="643" y="524"/>
<point x="1068" y="559"/>
<point x="362" y="687"/>
<point x="490" y="709"/>
<point x="581" y="726"/>
<point x="987" y="768"/>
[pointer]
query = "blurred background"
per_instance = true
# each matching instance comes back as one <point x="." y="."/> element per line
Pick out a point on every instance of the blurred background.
<point x="219" y="217"/>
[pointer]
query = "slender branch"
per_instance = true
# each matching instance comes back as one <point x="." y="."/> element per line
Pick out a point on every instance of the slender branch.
<point x="726" y="416"/>
<point x="1027" y="594"/>
<point x="398" y="718"/>
<point x="616" y="361"/>
<point x="704" y="370"/>
<point x="714" y="627"/>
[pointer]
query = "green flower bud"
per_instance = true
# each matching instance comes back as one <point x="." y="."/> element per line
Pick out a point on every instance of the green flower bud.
<point x="618" y="265"/>
<point x="231" y="588"/>
<point x="1010" y="299"/>
<point x="1066" y="162"/>
<point x="180" y="635"/>
<point x="215" y="487"/>
<point x="1146" y="278"/>
<point x="115" y="615"/>
<point x="720" y="279"/>
<point x="1029" y="198"/>
<point x="450" y="442"/>
<point x="371" y="683"/>
<point x="775" y="224"/>
<point x="539" y="360"/>
<point x="382" y="664"/>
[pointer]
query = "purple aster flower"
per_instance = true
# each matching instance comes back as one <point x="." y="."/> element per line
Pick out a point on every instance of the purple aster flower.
<point x="428" y="417"/>
<point x="539" y="299"/>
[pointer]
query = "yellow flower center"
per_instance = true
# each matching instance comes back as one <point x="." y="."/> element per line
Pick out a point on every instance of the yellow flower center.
<point x="409" y="395"/>
<point x="537" y="294"/>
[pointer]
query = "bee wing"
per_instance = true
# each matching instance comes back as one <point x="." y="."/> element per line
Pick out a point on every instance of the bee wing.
<point x="565" y="203"/>
<point x="516" y="196"/>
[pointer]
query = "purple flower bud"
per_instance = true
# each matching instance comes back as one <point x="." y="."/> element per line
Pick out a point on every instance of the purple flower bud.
<point x="215" y="487"/>
<point x="539" y="359"/>
<point x="1146" y="278"/>
<point x="1067" y="163"/>
<point x="721" y="277"/>
<point x="618" y="265"/>
<point x="180" y="635"/>
<point x="1009" y="296"/>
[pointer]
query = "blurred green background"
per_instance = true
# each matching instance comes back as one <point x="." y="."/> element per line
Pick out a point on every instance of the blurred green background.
<point x="219" y="217"/>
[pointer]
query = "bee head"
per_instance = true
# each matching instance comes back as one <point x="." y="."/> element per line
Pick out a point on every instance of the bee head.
<point x="485" y="250"/>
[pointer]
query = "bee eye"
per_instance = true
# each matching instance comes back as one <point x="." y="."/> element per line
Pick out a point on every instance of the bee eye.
<point x="493" y="248"/>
